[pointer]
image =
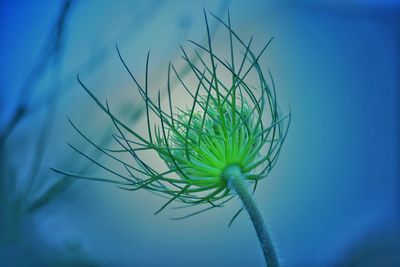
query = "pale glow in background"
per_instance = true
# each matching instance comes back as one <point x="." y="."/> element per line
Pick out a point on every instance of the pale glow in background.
<point x="336" y="182"/>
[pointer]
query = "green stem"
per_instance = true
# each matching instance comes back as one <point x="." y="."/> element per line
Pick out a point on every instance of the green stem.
<point x="237" y="182"/>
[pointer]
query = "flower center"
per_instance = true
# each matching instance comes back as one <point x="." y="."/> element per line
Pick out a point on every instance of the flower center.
<point x="230" y="171"/>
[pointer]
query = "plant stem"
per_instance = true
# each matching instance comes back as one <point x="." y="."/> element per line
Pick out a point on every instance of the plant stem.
<point x="237" y="182"/>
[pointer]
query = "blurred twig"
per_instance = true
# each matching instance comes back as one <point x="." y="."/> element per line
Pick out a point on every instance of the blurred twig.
<point x="89" y="65"/>
<point x="50" y="50"/>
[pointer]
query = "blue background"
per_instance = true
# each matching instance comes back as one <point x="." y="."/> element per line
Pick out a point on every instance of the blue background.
<point x="334" y="193"/>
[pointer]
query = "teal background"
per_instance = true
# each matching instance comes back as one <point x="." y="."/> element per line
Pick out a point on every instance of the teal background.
<point x="333" y="195"/>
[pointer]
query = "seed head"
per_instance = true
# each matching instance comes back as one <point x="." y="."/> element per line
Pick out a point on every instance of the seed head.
<point x="227" y="124"/>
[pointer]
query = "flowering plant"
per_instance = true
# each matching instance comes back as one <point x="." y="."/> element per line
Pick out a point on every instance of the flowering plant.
<point x="229" y="137"/>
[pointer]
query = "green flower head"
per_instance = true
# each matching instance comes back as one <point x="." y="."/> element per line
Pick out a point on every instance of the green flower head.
<point x="232" y="122"/>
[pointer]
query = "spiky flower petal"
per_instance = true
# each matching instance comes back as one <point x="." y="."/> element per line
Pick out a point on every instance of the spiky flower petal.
<point x="226" y="124"/>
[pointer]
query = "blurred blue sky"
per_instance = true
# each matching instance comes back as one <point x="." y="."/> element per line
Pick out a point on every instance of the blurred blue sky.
<point x="337" y="181"/>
